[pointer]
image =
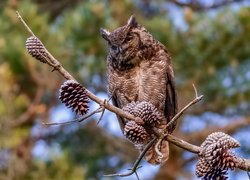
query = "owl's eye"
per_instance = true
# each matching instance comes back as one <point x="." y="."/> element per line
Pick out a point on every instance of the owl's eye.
<point x="128" y="38"/>
<point x="113" y="47"/>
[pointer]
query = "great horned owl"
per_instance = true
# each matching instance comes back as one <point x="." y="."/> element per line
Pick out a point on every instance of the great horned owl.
<point x="139" y="69"/>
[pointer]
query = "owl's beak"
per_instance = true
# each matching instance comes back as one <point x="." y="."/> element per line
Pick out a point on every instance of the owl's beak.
<point x="105" y="34"/>
<point x="120" y="50"/>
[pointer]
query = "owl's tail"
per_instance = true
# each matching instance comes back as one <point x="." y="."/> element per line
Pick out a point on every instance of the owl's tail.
<point x="158" y="155"/>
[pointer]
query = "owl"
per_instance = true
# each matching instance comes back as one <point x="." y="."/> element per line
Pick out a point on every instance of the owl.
<point x="139" y="70"/>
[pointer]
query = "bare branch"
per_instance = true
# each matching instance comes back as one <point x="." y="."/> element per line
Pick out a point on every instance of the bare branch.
<point x="103" y="110"/>
<point x="75" y="120"/>
<point x="99" y="120"/>
<point x="195" y="91"/>
<point x="183" y="144"/>
<point x="25" y="25"/>
<point x="199" y="6"/>
<point x="248" y="174"/>
<point x="197" y="99"/>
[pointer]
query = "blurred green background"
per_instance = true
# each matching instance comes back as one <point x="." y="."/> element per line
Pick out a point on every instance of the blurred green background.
<point x="210" y="46"/>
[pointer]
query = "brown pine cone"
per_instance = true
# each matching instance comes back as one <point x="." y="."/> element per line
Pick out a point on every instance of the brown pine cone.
<point x="144" y="110"/>
<point x="36" y="49"/>
<point x="136" y="133"/>
<point x="215" y="157"/>
<point x="74" y="96"/>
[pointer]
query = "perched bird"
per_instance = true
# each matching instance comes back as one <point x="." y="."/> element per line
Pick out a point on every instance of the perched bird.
<point x="139" y="69"/>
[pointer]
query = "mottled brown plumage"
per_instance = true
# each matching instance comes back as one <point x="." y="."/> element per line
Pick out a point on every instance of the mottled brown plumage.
<point x="139" y="69"/>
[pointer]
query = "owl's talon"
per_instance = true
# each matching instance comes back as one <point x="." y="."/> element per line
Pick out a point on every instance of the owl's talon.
<point x="158" y="147"/>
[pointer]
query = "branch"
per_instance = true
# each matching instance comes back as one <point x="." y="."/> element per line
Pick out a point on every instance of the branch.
<point x="75" y="120"/>
<point x="197" y="99"/>
<point x="199" y="6"/>
<point x="183" y="144"/>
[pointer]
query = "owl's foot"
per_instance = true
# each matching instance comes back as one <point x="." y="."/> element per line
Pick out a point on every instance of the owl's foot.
<point x="158" y="151"/>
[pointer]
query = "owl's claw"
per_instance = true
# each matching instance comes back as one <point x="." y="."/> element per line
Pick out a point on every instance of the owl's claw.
<point x="158" y="151"/>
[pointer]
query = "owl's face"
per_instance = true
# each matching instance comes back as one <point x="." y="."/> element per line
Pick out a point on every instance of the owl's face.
<point x="124" y="44"/>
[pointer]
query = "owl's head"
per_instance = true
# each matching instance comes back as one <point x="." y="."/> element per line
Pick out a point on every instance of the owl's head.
<point x="124" y="43"/>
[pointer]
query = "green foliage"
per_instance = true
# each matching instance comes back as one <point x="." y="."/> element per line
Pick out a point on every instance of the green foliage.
<point x="58" y="168"/>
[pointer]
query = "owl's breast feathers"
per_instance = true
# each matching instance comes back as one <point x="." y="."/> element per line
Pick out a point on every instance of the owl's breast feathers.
<point x="151" y="80"/>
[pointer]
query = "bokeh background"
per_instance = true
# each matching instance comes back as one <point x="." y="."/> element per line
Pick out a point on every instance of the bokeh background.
<point x="210" y="44"/>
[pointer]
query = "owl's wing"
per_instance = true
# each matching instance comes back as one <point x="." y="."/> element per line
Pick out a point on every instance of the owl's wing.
<point x="116" y="103"/>
<point x="171" y="106"/>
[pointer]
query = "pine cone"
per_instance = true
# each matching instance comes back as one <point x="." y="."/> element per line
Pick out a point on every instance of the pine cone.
<point x="144" y="110"/>
<point x="136" y="133"/>
<point x="36" y="49"/>
<point x="204" y="170"/>
<point x="74" y="96"/>
<point x="222" y="139"/>
<point x="215" y="157"/>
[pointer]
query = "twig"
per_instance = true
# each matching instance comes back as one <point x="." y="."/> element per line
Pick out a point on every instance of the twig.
<point x="25" y="25"/>
<point x="137" y="162"/>
<point x="105" y="101"/>
<point x="75" y="120"/>
<point x="195" y="90"/>
<point x="137" y="176"/>
<point x="198" y="6"/>
<point x="194" y="101"/>
<point x="99" y="120"/>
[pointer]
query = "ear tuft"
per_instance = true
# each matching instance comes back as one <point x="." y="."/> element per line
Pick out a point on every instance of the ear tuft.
<point x="132" y="21"/>
<point x="105" y="34"/>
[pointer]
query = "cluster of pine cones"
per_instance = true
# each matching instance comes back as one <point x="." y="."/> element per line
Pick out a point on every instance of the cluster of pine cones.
<point x="147" y="117"/>
<point x="215" y="157"/>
